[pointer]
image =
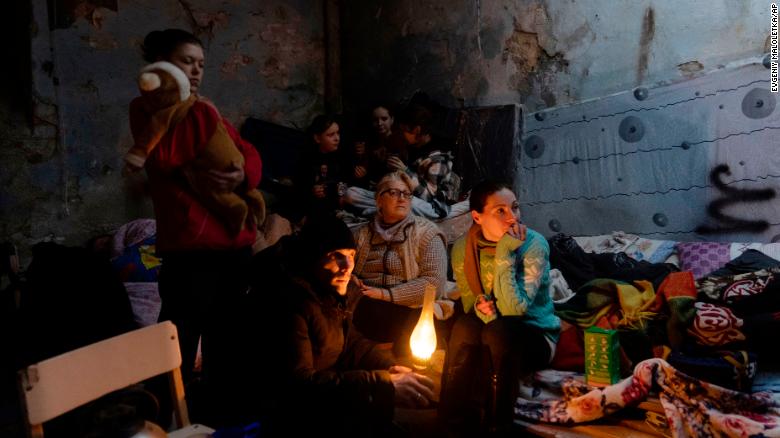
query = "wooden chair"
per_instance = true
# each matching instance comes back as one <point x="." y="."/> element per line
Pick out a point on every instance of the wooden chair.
<point x="62" y="383"/>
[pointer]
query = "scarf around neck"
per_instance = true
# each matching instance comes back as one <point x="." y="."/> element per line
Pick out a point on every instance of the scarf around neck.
<point x="475" y="243"/>
<point x="388" y="232"/>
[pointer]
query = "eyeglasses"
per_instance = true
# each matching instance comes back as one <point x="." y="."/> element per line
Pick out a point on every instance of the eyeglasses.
<point x="398" y="194"/>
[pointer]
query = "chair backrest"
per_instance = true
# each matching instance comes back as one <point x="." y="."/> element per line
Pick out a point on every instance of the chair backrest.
<point x="62" y="383"/>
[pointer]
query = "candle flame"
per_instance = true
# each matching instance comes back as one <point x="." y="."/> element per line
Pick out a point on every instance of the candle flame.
<point x="423" y="339"/>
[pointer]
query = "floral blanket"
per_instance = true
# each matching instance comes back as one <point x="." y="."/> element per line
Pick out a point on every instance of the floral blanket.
<point x="693" y="408"/>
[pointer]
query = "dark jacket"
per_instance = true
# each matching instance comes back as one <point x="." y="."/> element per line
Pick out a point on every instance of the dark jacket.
<point x="337" y="376"/>
<point x="331" y="170"/>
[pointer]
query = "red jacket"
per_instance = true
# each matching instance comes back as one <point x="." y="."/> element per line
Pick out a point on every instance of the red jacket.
<point x="183" y="223"/>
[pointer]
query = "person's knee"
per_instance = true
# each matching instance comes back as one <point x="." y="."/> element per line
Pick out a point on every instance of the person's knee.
<point x="508" y="341"/>
<point x="359" y="197"/>
<point x="350" y="195"/>
<point x="466" y="331"/>
<point x="496" y="333"/>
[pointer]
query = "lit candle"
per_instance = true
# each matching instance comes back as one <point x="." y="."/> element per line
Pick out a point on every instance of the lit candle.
<point x="423" y="339"/>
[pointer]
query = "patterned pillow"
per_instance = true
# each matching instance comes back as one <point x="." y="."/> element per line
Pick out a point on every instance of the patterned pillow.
<point x="701" y="258"/>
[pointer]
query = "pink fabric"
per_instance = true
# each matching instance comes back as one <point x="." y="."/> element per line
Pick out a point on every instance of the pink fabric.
<point x="131" y="233"/>
<point x="701" y="258"/>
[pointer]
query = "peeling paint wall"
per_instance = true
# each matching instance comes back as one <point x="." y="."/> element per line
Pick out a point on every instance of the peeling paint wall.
<point x="60" y="156"/>
<point x="61" y="169"/>
<point x="539" y="53"/>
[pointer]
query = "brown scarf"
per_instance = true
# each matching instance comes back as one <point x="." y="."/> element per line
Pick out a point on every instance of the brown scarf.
<point x="471" y="265"/>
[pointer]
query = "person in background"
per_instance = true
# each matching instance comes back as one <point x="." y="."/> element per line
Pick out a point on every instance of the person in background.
<point x="415" y="124"/>
<point x="435" y="187"/>
<point x="385" y="140"/>
<point x="360" y="160"/>
<point x="429" y="162"/>
<point x="324" y="173"/>
<point x="502" y="270"/>
<point x="203" y="272"/>
<point x="382" y="119"/>
<point x="337" y="383"/>
<point x="399" y="255"/>
<point x="370" y="139"/>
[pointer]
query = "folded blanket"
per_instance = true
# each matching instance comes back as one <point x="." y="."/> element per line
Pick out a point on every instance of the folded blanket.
<point x="692" y="407"/>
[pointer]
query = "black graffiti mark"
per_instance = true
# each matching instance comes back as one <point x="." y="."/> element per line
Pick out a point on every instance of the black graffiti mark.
<point x="733" y="195"/>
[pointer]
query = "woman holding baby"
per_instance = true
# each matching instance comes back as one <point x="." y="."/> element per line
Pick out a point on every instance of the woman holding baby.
<point x="203" y="272"/>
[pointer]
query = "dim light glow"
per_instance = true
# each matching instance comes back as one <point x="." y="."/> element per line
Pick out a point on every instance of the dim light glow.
<point x="423" y="339"/>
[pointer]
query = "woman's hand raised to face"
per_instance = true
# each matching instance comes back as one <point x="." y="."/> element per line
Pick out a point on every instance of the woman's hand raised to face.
<point x="517" y="230"/>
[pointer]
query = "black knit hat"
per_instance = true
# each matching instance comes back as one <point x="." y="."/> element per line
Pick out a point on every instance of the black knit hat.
<point x="321" y="235"/>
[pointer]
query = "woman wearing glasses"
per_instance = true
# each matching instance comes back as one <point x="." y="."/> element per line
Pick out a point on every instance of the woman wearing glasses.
<point x="398" y="256"/>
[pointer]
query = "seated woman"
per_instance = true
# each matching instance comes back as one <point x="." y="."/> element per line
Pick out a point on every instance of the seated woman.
<point x="503" y="274"/>
<point x="398" y="256"/>
<point x="372" y="140"/>
<point x="382" y="118"/>
<point x="383" y="141"/>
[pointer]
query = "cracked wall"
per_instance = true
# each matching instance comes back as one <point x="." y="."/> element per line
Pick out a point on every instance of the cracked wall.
<point x="539" y="53"/>
<point x="61" y="152"/>
<point x="62" y="156"/>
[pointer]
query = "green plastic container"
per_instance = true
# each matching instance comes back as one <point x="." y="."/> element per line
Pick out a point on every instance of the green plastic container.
<point x="602" y="357"/>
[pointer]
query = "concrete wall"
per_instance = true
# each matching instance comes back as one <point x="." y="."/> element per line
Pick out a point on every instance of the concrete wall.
<point x="695" y="160"/>
<point x="60" y="154"/>
<point x="61" y="159"/>
<point x="574" y="64"/>
<point x="539" y="53"/>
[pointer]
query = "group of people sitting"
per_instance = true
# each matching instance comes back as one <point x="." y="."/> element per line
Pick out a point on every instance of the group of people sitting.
<point x="334" y="176"/>
<point x="344" y="291"/>
<point x="340" y="297"/>
<point x="293" y="334"/>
